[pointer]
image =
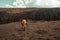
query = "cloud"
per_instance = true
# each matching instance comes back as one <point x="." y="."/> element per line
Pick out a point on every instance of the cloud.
<point x="7" y="5"/>
<point x="48" y="3"/>
<point x="34" y="3"/>
<point x="18" y="4"/>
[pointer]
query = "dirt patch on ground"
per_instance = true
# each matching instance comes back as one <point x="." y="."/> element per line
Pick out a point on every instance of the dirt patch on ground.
<point x="47" y="30"/>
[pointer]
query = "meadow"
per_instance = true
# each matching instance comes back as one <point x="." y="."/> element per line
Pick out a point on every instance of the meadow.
<point x="43" y="24"/>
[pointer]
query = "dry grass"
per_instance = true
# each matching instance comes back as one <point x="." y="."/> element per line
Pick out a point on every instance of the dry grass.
<point x="47" y="30"/>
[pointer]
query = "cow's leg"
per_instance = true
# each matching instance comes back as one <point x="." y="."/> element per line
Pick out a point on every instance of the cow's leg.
<point x="24" y="28"/>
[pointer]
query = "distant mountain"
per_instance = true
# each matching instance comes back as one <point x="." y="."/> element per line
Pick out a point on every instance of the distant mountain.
<point x="17" y="10"/>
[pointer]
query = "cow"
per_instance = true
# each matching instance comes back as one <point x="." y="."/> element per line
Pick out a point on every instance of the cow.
<point x="24" y="23"/>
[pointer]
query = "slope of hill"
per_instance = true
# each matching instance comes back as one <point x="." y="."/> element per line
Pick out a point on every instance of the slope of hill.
<point x="15" y="14"/>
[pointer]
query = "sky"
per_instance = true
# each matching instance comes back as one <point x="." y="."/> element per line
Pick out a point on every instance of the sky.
<point x="29" y="3"/>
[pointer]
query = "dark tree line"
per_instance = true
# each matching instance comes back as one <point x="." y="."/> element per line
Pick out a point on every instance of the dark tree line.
<point x="7" y="17"/>
<point x="41" y="14"/>
<point x="44" y="14"/>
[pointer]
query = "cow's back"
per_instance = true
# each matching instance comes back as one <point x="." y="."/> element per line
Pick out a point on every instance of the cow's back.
<point x="24" y="22"/>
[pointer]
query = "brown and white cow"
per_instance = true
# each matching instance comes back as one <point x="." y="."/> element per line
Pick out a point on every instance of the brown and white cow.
<point x="24" y="23"/>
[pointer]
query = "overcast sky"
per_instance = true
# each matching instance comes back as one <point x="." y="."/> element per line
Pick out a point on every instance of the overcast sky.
<point x="29" y="3"/>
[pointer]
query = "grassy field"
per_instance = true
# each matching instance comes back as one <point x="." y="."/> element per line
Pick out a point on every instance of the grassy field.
<point x="40" y="30"/>
<point x="43" y="24"/>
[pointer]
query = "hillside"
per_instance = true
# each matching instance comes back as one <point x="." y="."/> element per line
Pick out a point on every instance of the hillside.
<point x="34" y="14"/>
<point x="42" y="24"/>
<point x="16" y="10"/>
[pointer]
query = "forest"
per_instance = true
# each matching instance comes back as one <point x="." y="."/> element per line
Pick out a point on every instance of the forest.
<point x="45" y="14"/>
